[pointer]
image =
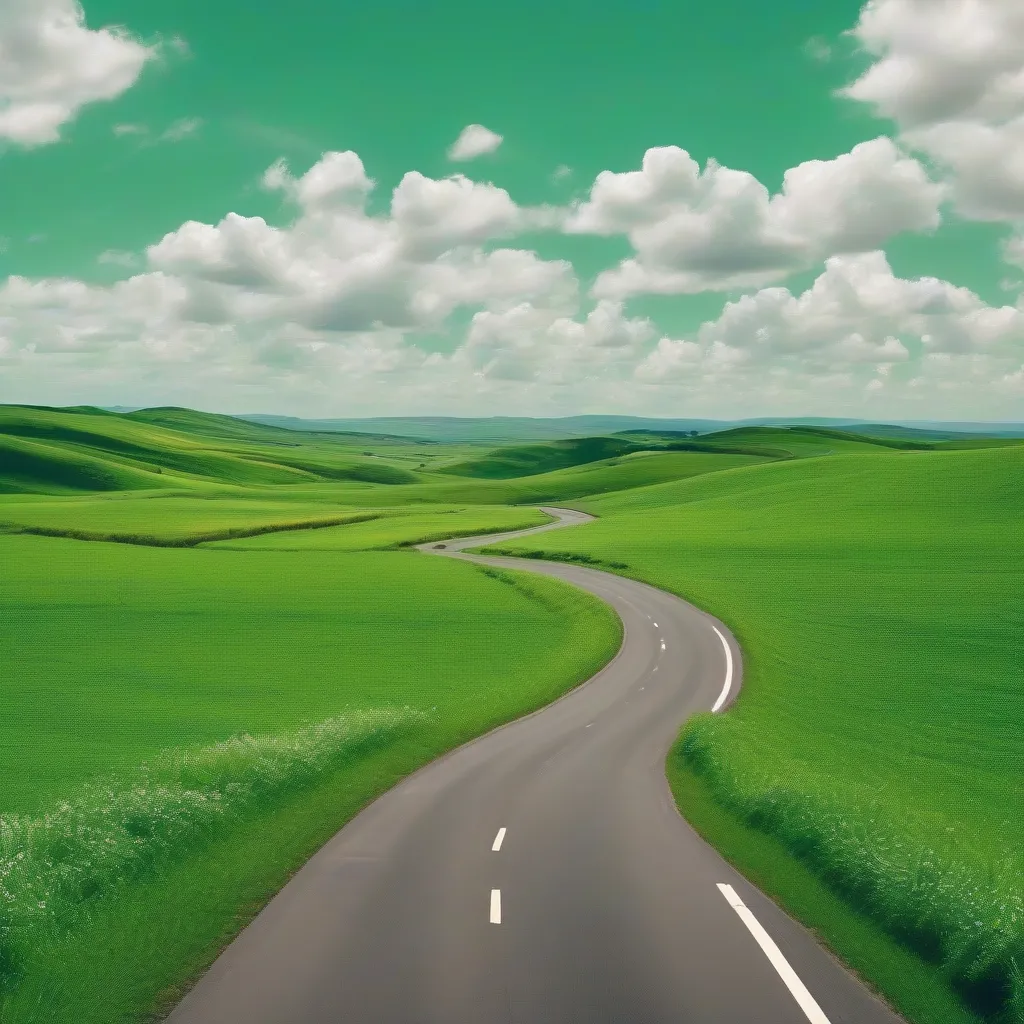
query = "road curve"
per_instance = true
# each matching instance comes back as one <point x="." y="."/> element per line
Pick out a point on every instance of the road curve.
<point x="541" y="874"/>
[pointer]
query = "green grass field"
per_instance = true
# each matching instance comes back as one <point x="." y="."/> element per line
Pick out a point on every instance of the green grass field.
<point x="185" y="521"/>
<point x="127" y="652"/>
<point x="395" y="530"/>
<point x="177" y="581"/>
<point x="879" y="736"/>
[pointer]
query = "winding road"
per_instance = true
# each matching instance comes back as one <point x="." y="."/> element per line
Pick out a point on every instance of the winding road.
<point x="541" y="874"/>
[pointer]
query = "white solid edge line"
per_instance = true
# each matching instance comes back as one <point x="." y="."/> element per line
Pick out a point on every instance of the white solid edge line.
<point x="496" y="908"/>
<point x="796" y="987"/>
<point x="728" y="671"/>
<point x="498" y="839"/>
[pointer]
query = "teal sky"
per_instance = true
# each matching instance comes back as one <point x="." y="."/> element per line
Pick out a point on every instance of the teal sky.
<point x="573" y="85"/>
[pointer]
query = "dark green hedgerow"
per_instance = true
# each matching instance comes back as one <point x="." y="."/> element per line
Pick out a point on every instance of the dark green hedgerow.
<point x="573" y="557"/>
<point x="150" y="540"/>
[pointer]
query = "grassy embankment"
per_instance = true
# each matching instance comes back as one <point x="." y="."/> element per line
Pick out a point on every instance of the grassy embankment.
<point x="869" y="776"/>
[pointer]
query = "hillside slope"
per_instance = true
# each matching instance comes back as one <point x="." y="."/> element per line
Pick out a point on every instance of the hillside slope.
<point x="881" y="721"/>
<point x="526" y="460"/>
<point x="60" y="450"/>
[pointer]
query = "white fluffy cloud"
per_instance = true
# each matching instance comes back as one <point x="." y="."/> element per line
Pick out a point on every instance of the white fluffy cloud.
<point x="474" y="140"/>
<point x="52" y="64"/>
<point x="1013" y="251"/>
<point x="857" y="319"/>
<point x="525" y="343"/>
<point x="338" y="268"/>
<point x="717" y="229"/>
<point x="951" y="74"/>
<point x="858" y="339"/>
<point x="342" y="308"/>
<point x="942" y="60"/>
<point x="986" y="163"/>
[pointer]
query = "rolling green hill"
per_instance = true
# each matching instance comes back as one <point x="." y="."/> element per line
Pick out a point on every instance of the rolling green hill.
<point x="218" y="425"/>
<point x="867" y="776"/>
<point x="36" y="467"/>
<point x="489" y="429"/>
<point x="94" y="450"/>
<point x="61" y="451"/>
<point x="213" y="425"/>
<point x="514" y="462"/>
<point x="807" y="442"/>
<point x="526" y="460"/>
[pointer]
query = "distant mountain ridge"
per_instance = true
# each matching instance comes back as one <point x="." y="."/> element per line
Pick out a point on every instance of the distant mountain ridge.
<point x="526" y="428"/>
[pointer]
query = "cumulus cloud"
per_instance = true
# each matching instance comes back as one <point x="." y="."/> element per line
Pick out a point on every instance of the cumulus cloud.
<point x="336" y="294"/>
<point x="338" y="268"/>
<point x="1013" y="250"/>
<point x="856" y="318"/>
<point x="985" y="162"/>
<point x="951" y="74"/>
<point x="52" y="64"/>
<point x="716" y="229"/>
<point x="474" y="140"/>
<point x="941" y="60"/>
<point x="525" y="343"/>
<point x="338" y="305"/>
<point x="858" y="335"/>
<point x="336" y="178"/>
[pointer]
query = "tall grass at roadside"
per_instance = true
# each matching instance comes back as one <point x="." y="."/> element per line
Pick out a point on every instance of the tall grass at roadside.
<point x="958" y="909"/>
<point x="118" y="830"/>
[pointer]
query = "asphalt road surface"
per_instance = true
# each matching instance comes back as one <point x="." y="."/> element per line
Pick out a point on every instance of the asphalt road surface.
<point x="541" y="874"/>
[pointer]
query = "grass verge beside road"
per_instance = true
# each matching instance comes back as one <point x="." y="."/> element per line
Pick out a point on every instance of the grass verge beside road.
<point x="126" y="653"/>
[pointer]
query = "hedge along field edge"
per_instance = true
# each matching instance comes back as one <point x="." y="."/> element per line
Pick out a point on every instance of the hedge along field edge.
<point x="154" y="541"/>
